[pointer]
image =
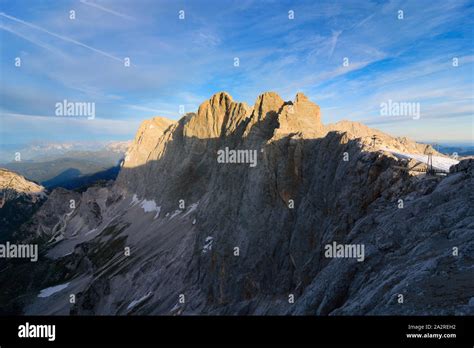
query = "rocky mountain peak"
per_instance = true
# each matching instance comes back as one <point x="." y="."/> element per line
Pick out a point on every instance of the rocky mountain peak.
<point x="145" y="140"/>
<point x="266" y="103"/>
<point x="221" y="116"/>
<point x="300" y="117"/>
<point x="19" y="199"/>
<point x="300" y="97"/>
<point x="13" y="185"/>
<point x="217" y="116"/>
<point x="220" y="97"/>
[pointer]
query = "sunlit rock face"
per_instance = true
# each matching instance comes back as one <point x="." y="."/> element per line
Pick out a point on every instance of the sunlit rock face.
<point x="19" y="199"/>
<point x="216" y="117"/>
<point x="237" y="238"/>
<point x="300" y="117"/>
<point x="13" y="185"/>
<point x="145" y="141"/>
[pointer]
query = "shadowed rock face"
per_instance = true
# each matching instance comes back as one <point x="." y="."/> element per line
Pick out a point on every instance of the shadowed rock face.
<point x="237" y="239"/>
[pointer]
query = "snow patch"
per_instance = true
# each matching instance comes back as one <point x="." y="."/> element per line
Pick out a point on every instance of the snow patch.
<point x="52" y="290"/>
<point x="135" y="200"/>
<point x="207" y="244"/>
<point x="140" y="300"/>
<point x="440" y="163"/>
<point x="149" y="206"/>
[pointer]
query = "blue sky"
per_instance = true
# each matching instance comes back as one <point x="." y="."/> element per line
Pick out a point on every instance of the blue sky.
<point x="183" y="62"/>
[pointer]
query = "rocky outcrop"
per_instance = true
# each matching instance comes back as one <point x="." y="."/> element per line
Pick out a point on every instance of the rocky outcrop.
<point x="49" y="222"/>
<point x="367" y="134"/>
<point x="464" y="165"/>
<point x="19" y="199"/>
<point x="217" y="117"/>
<point x="145" y="141"/>
<point x="300" y="117"/>
<point x="13" y="185"/>
<point x="244" y="237"/>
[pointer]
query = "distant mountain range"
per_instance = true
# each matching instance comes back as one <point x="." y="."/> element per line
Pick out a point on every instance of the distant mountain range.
<point x="69" y="166"/>
<point x="461" y="151"/>
<point x="46" y="151"/>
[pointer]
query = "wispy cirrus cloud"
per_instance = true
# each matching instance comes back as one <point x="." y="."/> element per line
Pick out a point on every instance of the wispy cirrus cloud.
<point x="106" y="9"/>
<point x="64" y="38"/>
